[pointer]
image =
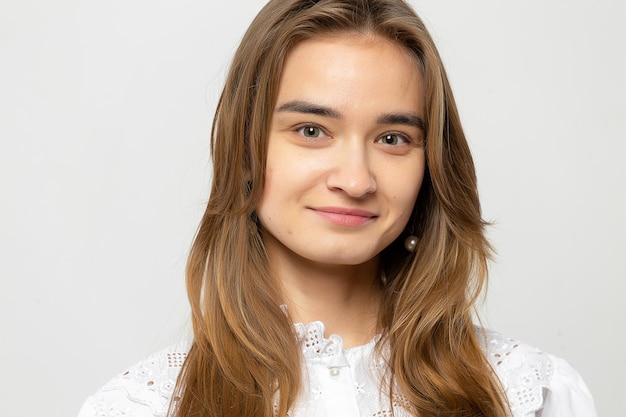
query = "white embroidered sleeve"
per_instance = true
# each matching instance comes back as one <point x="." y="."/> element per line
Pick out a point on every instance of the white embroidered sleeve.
<point x="144" y="390"/>
<point x="537" y="384"/>
<point x="567" y="395"/>
<point x="114" y="404"/>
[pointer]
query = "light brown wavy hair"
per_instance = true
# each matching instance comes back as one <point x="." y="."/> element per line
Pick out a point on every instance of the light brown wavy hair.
<point x="245" y="359"/>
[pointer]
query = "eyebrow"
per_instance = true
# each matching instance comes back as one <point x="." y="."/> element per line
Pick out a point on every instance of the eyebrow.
<point x="309" y="108"/>
<point x="402" y="119"/>
<point x="298" y="106"/>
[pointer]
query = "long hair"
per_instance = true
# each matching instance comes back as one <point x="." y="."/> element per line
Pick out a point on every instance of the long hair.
<point x="245" y="360"/>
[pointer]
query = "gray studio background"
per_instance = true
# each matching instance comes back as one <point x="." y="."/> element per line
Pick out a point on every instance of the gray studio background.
<point x="105" y="111"/>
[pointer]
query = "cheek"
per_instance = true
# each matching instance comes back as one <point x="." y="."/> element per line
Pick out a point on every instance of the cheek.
<point x="284" y="184"/>
<point x="270" y="194"/>
<point x="277" y="174"/>
<point x="406" y="191"/>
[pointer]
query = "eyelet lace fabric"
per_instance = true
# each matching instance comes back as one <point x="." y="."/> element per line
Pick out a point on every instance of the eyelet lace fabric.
<point x="525" y="372"/>
<point x="144" y="389"/>
<point x="347" y="382"/>
<point x="338" y="381"/>
<point x="313" y="342"/>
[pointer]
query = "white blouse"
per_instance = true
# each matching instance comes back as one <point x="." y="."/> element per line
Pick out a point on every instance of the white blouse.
<point x="346" y="382"/>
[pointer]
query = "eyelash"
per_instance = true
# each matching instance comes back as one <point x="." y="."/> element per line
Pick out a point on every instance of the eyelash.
<point x="322" y="132"/>
<point x="300" y="129"/>
<point x="405" y="138"/>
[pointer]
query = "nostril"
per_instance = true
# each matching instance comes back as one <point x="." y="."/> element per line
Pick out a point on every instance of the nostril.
<point x="353" y="184"/>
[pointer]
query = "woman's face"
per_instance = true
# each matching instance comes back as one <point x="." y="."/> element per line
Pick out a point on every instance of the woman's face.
<point x="345" y="157"/>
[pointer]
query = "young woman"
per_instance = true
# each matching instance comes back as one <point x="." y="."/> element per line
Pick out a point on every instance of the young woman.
<point x="344" y="200"/>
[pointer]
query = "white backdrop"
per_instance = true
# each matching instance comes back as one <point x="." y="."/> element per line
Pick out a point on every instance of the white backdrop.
<point x="105" y="111"/>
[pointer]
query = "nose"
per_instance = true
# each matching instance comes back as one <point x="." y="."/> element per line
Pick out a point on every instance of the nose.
<point x="352" y="172"/>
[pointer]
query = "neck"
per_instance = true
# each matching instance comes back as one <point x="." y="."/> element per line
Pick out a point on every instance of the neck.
<point x="345" y="298"/>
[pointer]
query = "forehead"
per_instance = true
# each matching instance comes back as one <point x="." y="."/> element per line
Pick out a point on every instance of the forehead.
<point x="356" y="38"/>
<point x="350" y="69"/>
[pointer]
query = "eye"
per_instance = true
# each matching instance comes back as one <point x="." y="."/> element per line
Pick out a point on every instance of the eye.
<point x="311" y="131"/>
<point x="393" y="139"/>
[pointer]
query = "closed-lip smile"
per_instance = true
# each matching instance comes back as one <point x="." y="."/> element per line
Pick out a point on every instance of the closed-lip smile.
<point x="344" y="216"/>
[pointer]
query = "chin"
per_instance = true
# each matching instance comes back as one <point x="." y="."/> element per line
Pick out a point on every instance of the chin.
<point x="337" y="258"/>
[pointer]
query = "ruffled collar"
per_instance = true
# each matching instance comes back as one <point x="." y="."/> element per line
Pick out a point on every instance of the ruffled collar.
<point x="315" y="344"/>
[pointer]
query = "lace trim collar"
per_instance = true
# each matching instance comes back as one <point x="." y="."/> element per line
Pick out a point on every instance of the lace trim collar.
<point x="315" y="344"/>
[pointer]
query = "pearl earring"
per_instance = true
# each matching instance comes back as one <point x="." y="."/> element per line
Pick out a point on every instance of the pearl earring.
<point x="410" y="243"/>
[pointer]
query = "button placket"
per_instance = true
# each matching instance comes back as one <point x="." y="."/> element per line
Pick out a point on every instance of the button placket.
<point x="339" y="397"/>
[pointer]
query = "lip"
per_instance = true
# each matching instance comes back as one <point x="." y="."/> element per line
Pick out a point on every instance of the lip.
<point x="344" y="216"/>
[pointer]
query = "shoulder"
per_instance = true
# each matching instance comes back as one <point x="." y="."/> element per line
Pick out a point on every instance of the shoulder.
<point x="535" y="382"/>
<point x="143" y="390"/>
